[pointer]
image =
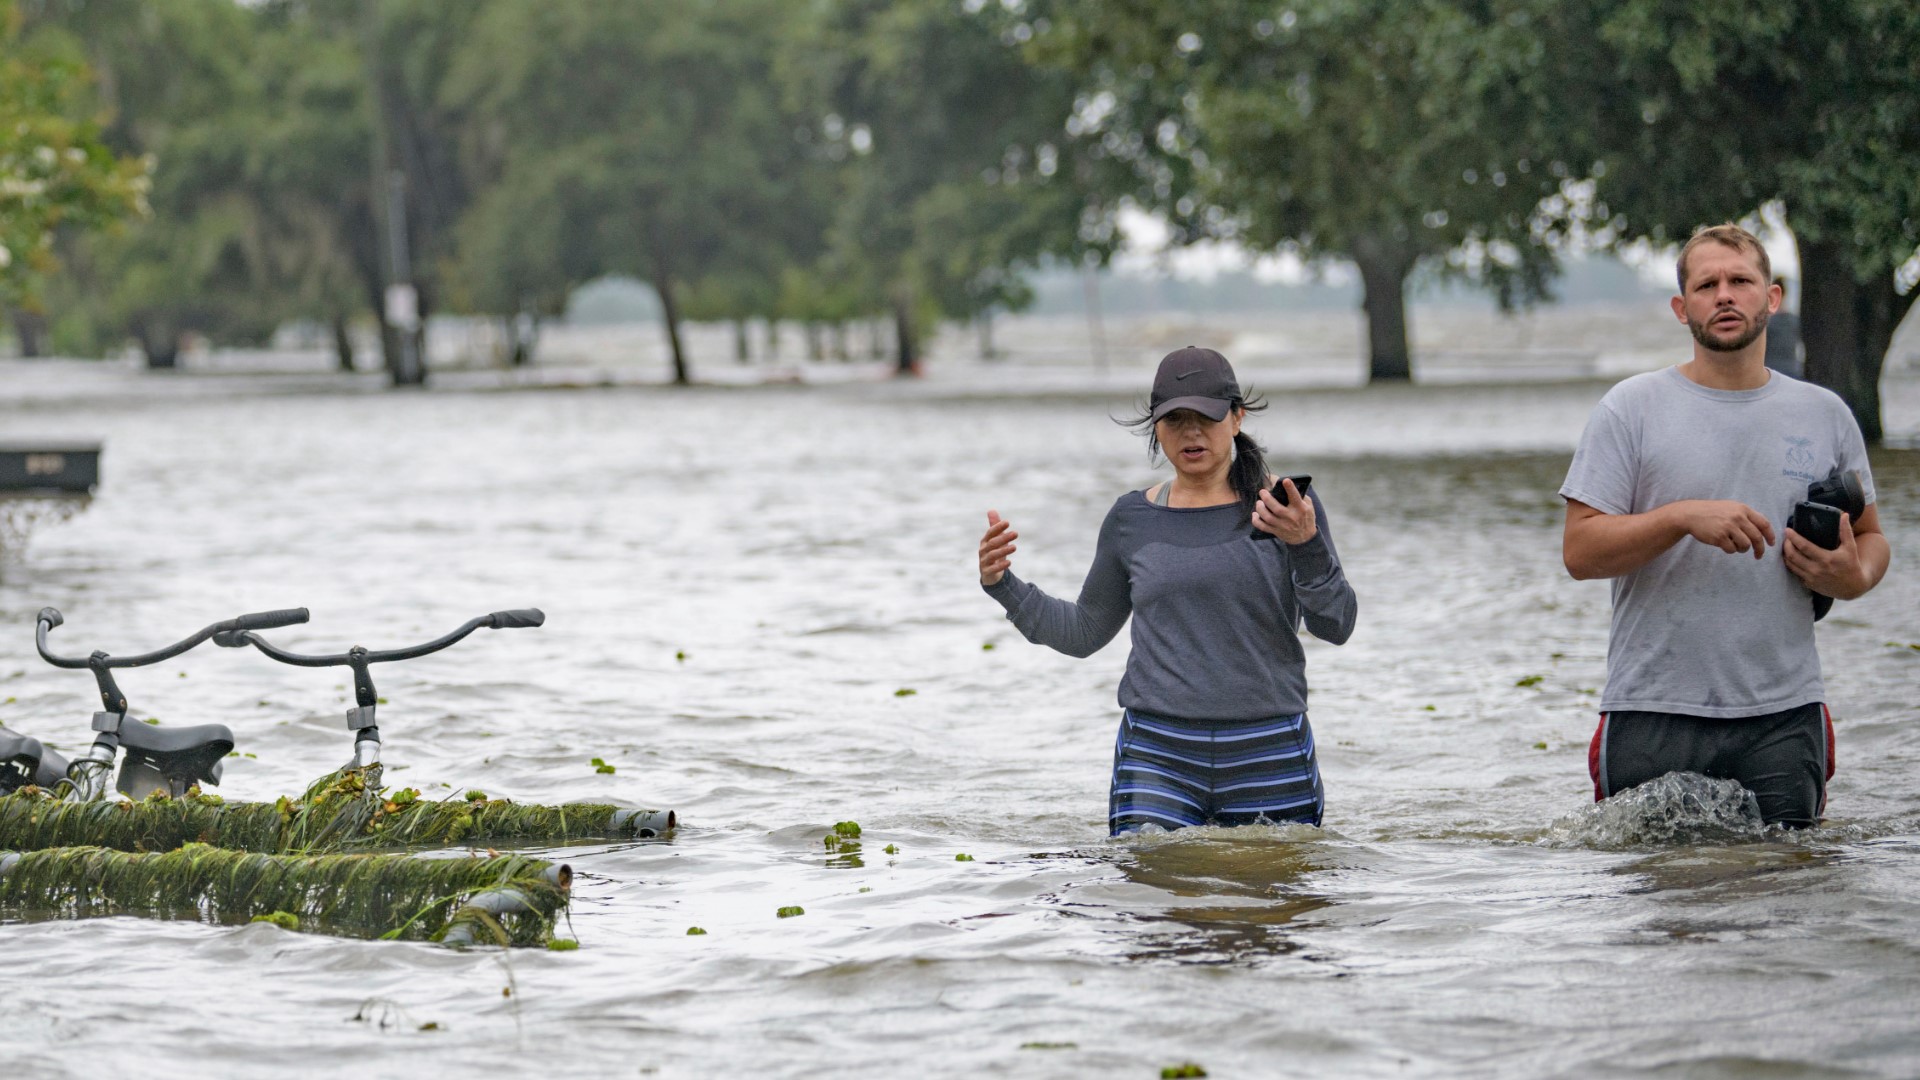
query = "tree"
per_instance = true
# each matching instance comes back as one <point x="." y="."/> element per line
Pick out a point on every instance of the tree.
<point x="1393" y="133"/>
<point x="1702" y="115"/>
<point x="959" y="172"/>
<point x="56" y="171"/>
<point x="652" y="135"/>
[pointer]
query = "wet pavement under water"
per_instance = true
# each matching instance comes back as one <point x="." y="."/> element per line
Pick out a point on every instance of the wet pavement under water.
<point x="741" y="588"/>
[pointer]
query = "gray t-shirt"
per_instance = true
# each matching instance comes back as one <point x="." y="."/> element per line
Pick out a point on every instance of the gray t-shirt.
<point x="1698" y="631"/>
<point x="1216" y="614"/>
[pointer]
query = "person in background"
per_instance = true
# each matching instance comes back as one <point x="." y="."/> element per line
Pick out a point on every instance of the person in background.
<point x="1213" y="727"/>
<point x="1783" y="338"/>
<point x="1680" y="492"/>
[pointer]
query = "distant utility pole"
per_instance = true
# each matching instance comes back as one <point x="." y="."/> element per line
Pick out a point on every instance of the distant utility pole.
<point x="1096" y="327"/>
<point x="400" y="307"/>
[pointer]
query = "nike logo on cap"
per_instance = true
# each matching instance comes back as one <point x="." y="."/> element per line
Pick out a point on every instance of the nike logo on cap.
<point x="1184" y="374"/>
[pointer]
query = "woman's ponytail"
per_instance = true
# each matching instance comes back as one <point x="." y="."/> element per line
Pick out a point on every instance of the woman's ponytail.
<point x="1249" y="472"/>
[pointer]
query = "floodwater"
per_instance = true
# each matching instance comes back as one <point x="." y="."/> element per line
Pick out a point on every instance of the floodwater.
<point x="809" y="552"/>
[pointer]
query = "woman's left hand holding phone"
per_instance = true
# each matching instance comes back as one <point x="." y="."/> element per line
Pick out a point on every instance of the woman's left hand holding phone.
<point x="1292" y="523"/>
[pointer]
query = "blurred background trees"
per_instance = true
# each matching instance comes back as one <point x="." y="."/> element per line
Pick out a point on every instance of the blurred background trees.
<point x="222" y="168"/>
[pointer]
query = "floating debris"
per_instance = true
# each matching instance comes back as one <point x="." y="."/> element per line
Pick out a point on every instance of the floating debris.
<point x="787" y="912"/>
<point x="963" y="857"/>
<point x="337" y="813"/>
<point x="905" y="691"/>
<point x="694" y="931"/>
<point x="1531" y="680"/>
<point x="503" y="900"/>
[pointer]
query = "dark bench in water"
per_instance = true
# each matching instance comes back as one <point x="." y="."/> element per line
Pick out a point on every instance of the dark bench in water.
<point x="49" y="467"/>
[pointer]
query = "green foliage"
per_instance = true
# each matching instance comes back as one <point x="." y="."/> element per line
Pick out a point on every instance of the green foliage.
<point x="846" y="828"/>
<point x="337" y="813"/>
<point x="1388" y="132"/>
<point x="285" y="920"/>
<point x="56" y="170"/>
<point x="388" y="896"/>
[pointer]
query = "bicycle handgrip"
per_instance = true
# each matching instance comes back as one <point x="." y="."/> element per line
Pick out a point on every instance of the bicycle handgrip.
<point x="267" y="620"/>
<point x="518" y="617"/>
<point x="50" y="616"/>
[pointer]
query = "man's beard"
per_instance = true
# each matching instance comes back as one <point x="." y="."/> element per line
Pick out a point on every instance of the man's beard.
<point x="1702" y="333"/>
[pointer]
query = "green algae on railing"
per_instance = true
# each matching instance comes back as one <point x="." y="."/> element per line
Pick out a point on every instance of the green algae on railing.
<point x="497" y="900"/>
<point x="337" y="813"/>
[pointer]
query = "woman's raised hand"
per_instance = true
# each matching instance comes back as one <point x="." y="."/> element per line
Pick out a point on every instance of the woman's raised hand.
<point x="996" y="549"/>
<point x="1292" y="523"/>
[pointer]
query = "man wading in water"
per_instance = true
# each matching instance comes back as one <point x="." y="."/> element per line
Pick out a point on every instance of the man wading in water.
<point x="1680" y="475"/>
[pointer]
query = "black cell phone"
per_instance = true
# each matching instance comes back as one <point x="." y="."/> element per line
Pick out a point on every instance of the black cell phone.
<point x="1301" y="483"/>
<point x="1818" y="522"/>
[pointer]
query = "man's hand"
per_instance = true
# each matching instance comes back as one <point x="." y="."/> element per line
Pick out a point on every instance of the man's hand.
<point x="1839" y="573"/>
<point x="996" y="549"/>
<point x="1293" y="523"/>
<point x="1601" y="545"/>
<point x="1732" y="527"/>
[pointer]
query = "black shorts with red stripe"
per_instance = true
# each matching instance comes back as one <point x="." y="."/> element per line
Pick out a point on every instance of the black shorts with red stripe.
<point x="1784" y="758"/>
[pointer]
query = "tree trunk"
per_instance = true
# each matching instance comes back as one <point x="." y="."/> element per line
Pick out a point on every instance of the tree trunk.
<point x="1848" y="327"/>
<point x="1384" y="266"/>
<point x="161" y="346"/>
<point x="523" y="334"/>
<point x="670" y="314"/>
<point x="29" y="331"/>
<point x="742" y="348"/>
<point x="342" y="342"/>
<point x="907" y="355"/>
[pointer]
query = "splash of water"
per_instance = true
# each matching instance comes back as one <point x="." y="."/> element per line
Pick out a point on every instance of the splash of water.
<point x="1675" y="809"/>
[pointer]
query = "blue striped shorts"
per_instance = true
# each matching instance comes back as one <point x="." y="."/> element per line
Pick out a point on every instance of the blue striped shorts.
<point x="1174" y="773"/>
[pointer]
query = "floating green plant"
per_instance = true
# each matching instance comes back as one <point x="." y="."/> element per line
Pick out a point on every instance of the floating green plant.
<point x="1540" y="745"/>
<point x="1049" y="1046"/>
<point x="846" y="828"/>
<point x="561" y="944"/>
<point x="694" y="931"/>
<point x="905" y="691"/>
<point x="987" y="647"/>
<point x="600" y="766"/>
<point x="963" y="857"/>
<point x="337" y="813"/>
<point x="680" y="654"/>
<point x="891" y="849"/>
<point x="790" y="911"/>
<point x="1531" y="680"/>
<point x="1182" y="1071"/>
<point x="505" y="900"/>
<point x="285" y="920"/>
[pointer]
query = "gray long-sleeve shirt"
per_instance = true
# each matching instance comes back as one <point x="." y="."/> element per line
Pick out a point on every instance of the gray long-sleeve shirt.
<point x="1216" y="615"/>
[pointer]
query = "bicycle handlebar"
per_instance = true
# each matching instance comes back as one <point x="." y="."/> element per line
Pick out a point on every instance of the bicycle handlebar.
<point x="499" y="620"/>
<point x="50" y="618"/>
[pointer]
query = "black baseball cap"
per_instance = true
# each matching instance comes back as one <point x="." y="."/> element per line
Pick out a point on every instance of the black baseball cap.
<point x="1194" y="378"/>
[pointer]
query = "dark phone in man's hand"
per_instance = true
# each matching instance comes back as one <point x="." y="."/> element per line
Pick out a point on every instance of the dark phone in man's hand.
<point x="1819" y="523"/>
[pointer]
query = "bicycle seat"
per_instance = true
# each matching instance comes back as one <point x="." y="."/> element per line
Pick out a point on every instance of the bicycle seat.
<point x="192" y="753"/>
<point x="20" y="759"/>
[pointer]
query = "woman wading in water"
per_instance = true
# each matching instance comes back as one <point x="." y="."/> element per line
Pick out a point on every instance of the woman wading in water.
<point x="1213" y="728"/>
